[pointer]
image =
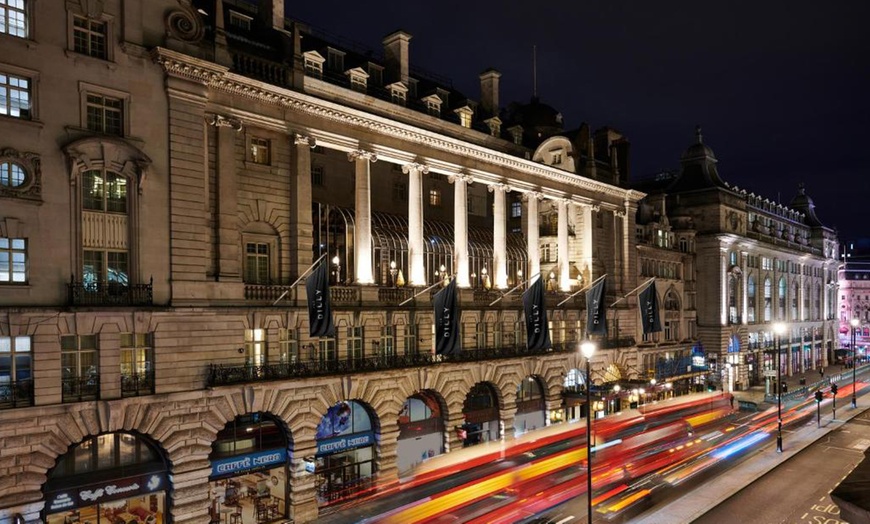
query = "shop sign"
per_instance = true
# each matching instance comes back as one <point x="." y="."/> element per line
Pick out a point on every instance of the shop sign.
<point x="259" y="460"/>
<point x="344" y="443"/>
<point x="115" y="489"/>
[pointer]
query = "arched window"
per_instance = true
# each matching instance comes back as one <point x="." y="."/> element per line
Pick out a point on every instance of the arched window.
<point x="768" y="299"/>
<point x="817" y="303"/>
<point x="780" y="298"/>
<point x="733" y="293"/>
<point x="794" y="301"/>
<point x="806" y="311"/>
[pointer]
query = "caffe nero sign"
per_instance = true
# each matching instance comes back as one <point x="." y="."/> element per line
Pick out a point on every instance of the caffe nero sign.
<point x="239" y="463"/>
<point x="115" y="489"/>
<point x="338" y="444"/>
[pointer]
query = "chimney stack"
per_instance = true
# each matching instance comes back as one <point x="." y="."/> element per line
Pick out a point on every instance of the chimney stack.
<point x="489" y="92"/>
<point x="396" y="56"/>
<point x="272" y="12"/>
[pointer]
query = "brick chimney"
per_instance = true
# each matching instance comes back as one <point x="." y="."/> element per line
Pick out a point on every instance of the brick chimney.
<point x="489" y="92"/>
<point x="272" y="13"/>
<point x="396" y="57"/>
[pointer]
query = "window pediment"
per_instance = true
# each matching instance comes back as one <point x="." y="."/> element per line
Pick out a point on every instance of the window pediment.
<point x="112" y="154"/>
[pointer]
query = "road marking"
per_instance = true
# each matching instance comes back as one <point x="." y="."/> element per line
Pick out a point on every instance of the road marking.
<point x="566" y="519"/>
<point x="861" y="444"/>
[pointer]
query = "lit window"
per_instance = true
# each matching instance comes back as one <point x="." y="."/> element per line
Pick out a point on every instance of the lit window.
<point x="15" y="360"/>
<point x="260" y="151"/>
<point x="13" y="18"/>
<point x="465" y="113"/>
<point x="89" y="37"/>
<point x="13" y="260"/>
<point x="137" y="364"/>
<point x="435" y="197"/>
<point x="79" y="361"/>
<point x="255" y="347"/>
<point x="14" y="96"/>
<point x="105" y="114"/>
<point x="104" y="208"/>
<point x="11" y="175"/>
<point x="516" y="209"/>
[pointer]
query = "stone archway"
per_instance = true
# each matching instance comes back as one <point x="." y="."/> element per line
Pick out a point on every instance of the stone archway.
<point x="531" y="406"/>
<point x="421" y="430"/>
<point x="481" y="413"/>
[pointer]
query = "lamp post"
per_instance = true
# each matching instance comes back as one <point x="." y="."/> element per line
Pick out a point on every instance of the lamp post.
<point x="854" y="322"/>
<point x="588" y="349"/>
<point x="337" y="262"/>
<point x="779" y="329"/>
<point x="393" y="272"/>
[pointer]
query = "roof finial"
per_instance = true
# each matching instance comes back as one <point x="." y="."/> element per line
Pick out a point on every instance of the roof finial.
<point x="698" y="134"/>
<point x="802" y="190"/>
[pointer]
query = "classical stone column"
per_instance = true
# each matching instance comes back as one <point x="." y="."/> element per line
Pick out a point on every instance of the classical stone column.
<point x="564" y="265"/>
<point x="460" y="226"/>
<point x="417" y="271"/>
<point x="499" y="232"/>
<point x="227" y="212"/>
<point x="723" y="288"/>
<point x="302" y="238"/>
<point x="533" y="231"/>
<point x="802" y="312"/>
<point x="362" y="242"/>
<point x="585" y="238"/>
<point x="628" y="221"/>
<point x="745" y="288"/>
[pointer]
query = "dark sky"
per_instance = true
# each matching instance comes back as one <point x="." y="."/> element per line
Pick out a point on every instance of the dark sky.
<point x="780" y="88"/>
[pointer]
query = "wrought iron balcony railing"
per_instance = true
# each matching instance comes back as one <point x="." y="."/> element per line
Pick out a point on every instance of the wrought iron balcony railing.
<point x="137" y="384"/>
<point x="17" y="394"/>
<point x="223" y="375"/>
<point x="110" y="293"/>
<point x="79" y="389"/>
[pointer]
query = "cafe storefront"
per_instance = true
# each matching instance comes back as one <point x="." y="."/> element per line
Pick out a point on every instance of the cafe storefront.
<point x="346" y="451"/>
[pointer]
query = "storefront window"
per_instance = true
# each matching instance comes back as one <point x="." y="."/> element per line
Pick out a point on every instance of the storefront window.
<point x="421" y="431"/>
<point x="116" y="478"/>
<point x="248" y="484"/>
<point x="345" y="459"/>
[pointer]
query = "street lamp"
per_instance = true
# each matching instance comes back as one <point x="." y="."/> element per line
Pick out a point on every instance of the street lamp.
<point x="588" y="349"/>
<point x="393" y="272"/>
<point x="337" y="263"/>
<point x="854" y="323"/>
<point x="779" y="329"/>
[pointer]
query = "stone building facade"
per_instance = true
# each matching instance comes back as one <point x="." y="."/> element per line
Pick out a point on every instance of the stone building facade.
<point x="170" y="169"/>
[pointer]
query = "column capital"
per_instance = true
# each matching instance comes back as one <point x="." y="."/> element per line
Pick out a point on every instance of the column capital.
<point x="414" y="166"/>
<point x="361" y="154"/>
<point x="529" y="195"/>
<point x="498" y="186"/>
<point x="216" y="120"/>
<point x="460" y="177"/>
<point x="299" y="139"/>
<point x="621" y="213"/>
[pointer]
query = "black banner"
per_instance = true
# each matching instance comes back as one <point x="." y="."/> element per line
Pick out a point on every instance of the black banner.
<point x="537" y="329"/>
<point x="319" y="313"/>
<point x="447" y="321"/>
<point x="596" y="312"/>
<point x="649" y="309"/>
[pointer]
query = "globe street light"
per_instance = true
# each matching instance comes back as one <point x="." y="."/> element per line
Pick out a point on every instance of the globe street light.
<point x="779" y="329"/>
<point x="854" y="323"/>
<point x="588" y="349"/>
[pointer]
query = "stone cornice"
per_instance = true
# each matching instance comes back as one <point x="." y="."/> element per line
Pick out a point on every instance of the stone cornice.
<point x="218" y="77"/>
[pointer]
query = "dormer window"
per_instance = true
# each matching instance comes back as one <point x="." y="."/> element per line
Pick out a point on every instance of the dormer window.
<point x="334" y="60"/>
<point x="465" y="113"/>
<point x="398" y="93"/>
<point x="433" y="105"/>
<point x="556" y="157"/>
<point x="444" y="95"/>
<point x="517" y="134"/>
<point x="358" y="79"/>
<point x="241" y="21"/>
<point x="313" y="64"/>
<point x="494" y="125"/>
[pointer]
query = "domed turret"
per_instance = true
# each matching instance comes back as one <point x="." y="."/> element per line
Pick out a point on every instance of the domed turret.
<point x="538" y="120"/>
<point x="803" y="203"/>
<point x="699" y="168"/>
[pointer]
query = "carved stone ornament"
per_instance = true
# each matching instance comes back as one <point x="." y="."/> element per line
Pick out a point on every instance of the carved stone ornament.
<point x="185" y="23"/>
<point x="309" y="141"/>
<point x="29" y="163"/>
<point x="460" y="177"/>
<point x="360" y="154"/>
<point x="420" y="168"/>
<point x="222" y="121"/>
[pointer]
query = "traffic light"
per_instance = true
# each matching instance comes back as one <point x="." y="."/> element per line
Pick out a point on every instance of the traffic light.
<point x="818" y="396"/>
<point x="834" y="389"/>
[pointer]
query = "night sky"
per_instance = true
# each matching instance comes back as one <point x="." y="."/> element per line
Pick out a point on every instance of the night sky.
<point x="780" y="88"/>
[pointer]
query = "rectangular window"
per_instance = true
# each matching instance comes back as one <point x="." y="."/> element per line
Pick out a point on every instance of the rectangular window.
<point x="317" y="176"/>
<point x="13" y="18"/>
<point x="255" y="347"/>
<point x="241" y="21"/>
<point x="435" y="197"/>
<point x="400" y="191"/>
<point x="355" y="343"/>
<point x="13" y="260"/>
<point x="288" y="346"/>
<point x="465" y="119"/>
<point x="257" y="263"/>
<point x="89" y="37"/>
<point x="16" y="372"/>
<point x="137" y="364"/>
<point x="260" y="151"/>
<point x="105" y="114"/>
<point x="14" y="95"/>
<point x="79" y="360"/>
<point x="387" y="342"/>
<point x="358" y="83"/>
<point x="398" y="96"/>
<point x="516" y="209"/>
<point x="313" y="68"/>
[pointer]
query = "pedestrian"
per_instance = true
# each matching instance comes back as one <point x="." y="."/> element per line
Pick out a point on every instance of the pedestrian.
<point x="822" y="372"/>
<point x="731" y="398"/>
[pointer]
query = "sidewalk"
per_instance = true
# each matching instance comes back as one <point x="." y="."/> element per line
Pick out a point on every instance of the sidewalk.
<point x="756" y="394"/>
<point x="710" y="494"/>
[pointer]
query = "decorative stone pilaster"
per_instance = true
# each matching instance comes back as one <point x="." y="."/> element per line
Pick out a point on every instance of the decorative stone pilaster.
<point x="499" y="232"/>
<point x="300" y="205"/>
<point x="460" y="226"/>
<point x="362" y="246"/>
<point x="415" y="172"/>
<point x="226" y="201"/>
